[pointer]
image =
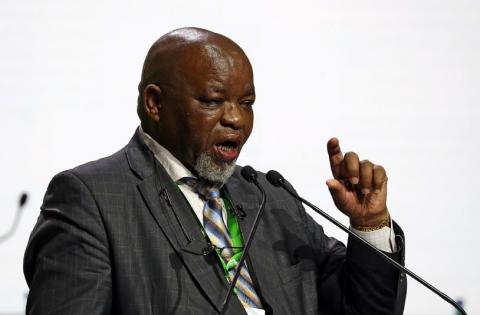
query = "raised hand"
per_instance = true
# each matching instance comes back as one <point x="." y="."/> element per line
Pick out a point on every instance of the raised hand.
<point x="358" y="188"/>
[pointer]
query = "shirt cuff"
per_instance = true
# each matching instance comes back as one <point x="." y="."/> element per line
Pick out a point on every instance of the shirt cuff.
<point x="383" y="239"/>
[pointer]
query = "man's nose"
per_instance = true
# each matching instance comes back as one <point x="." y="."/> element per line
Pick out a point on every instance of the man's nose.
<point x="232" y="116"/>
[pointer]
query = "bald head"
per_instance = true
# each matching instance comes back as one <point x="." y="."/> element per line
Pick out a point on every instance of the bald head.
<point x="167" y="57"/>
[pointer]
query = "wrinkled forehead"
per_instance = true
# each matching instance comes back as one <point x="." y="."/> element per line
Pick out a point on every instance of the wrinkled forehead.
<point x="213" y="58"/>
<point x="212" y="68"/>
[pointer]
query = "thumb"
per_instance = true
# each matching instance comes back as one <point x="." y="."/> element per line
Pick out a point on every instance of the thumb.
<point x="337" y="189"/>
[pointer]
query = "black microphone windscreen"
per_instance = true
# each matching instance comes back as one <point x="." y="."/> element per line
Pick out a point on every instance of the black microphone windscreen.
<point x="275" y="178"/>
<point x="249" y="173"/>
<point x="23" y="199"/>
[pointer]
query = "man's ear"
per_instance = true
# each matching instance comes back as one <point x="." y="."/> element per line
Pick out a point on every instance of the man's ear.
<point x="151" y="101"/>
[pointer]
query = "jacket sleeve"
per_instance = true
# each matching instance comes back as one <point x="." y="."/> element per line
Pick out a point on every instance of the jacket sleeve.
<point x="355" y="280"/>
<point x="66" y="263"/>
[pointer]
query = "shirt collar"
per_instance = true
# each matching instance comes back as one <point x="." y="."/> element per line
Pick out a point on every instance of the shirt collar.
<point x="172" y="165"/>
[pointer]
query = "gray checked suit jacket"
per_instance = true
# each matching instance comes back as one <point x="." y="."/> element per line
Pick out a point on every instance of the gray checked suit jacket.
<point x="116" y="236"/>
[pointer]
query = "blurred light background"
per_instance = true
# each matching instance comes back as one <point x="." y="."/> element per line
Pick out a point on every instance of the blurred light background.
<point x="396" y="81"/>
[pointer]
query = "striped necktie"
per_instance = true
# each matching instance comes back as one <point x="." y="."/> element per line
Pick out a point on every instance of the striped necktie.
<point x="217" y="232"/>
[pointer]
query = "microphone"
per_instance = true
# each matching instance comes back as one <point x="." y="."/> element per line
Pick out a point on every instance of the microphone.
<point x="239" y="212"/>
<point x="251" y="176"/>
<point x="276" y="179"/>
<point x="21" y="203"/>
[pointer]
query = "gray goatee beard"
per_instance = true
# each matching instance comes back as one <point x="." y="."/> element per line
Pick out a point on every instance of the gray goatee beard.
<point x="206" y="168"/>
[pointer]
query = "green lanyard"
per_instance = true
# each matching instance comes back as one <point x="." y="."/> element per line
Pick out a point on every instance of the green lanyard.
<point x="235" y="235"/>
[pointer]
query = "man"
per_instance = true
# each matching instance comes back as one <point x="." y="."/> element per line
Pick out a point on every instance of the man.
<point x="127" y="234"/>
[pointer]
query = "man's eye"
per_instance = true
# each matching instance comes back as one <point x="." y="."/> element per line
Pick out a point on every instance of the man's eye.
<point x="248" y="103"/>
<point x="213" y="102"/>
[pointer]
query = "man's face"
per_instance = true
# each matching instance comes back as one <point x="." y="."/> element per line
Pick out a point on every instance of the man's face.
<point x="206" y="110"/>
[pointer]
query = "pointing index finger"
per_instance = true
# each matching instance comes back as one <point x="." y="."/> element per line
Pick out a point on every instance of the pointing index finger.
<point x="336" y="156"/>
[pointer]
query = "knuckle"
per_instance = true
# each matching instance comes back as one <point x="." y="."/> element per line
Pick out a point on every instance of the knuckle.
<point x="352" y="167"/>
<point x="351" y="154"/>
<point x="366" y="163"/>
<point x="379" y="169"/>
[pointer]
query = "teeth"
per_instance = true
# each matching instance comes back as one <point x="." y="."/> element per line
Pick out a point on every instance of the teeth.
<point x="225" y="148"/>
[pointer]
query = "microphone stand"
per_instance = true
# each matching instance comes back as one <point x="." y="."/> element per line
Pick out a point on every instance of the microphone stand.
<point x="16" y="219"/>
<point x="251" y="177"/>
<point x="280" y="181"/>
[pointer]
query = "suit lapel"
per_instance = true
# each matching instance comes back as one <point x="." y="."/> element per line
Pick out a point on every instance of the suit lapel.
<point x="177" y="221"/>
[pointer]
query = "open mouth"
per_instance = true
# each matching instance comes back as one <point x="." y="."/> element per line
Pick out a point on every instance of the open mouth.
<point x="227" y="151"/>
